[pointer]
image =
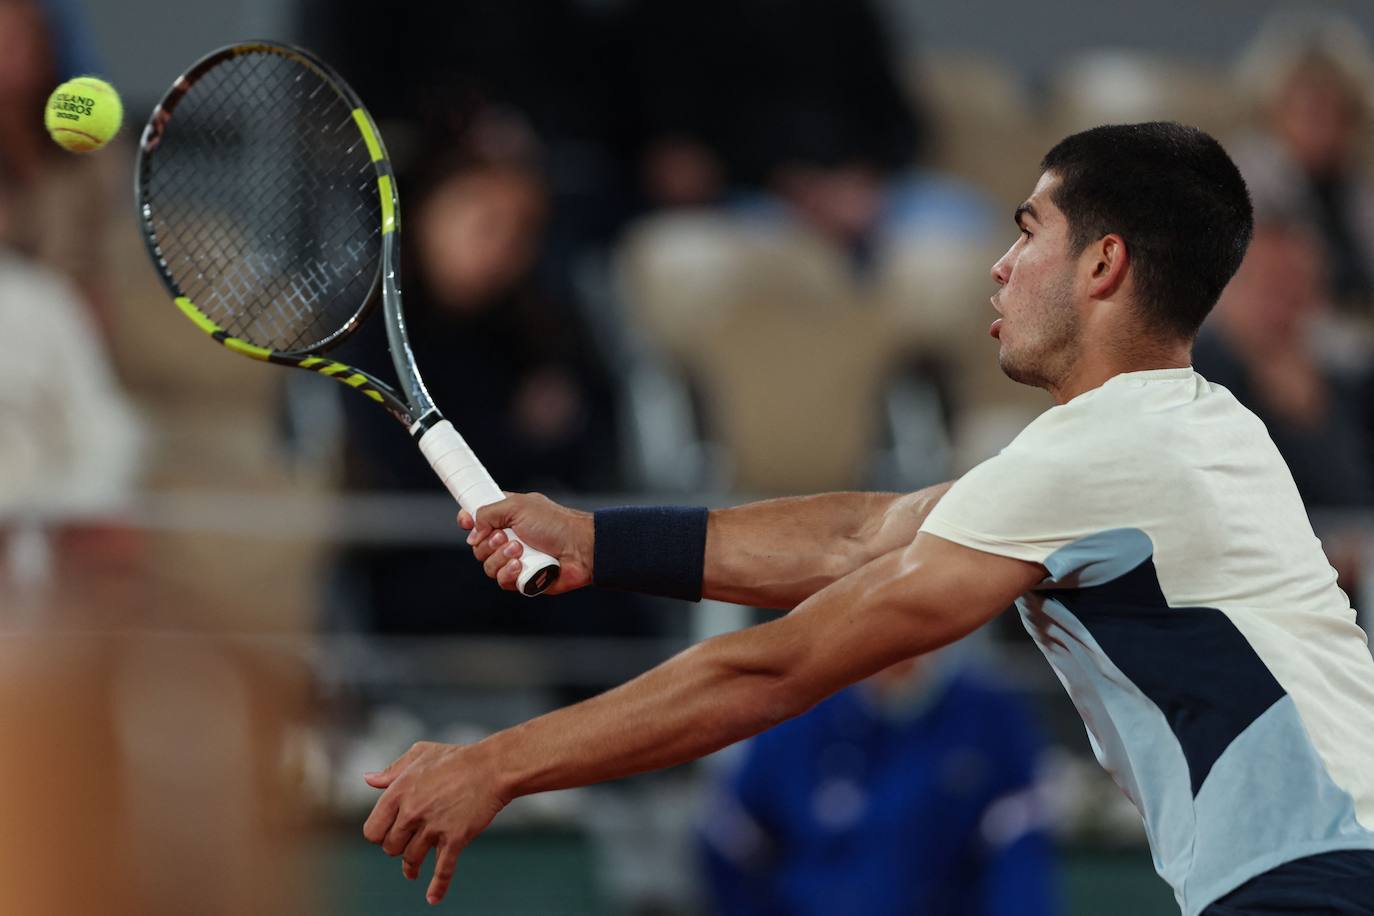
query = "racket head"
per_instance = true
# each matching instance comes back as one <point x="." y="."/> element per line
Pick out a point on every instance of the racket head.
<point x="267" y="201"/>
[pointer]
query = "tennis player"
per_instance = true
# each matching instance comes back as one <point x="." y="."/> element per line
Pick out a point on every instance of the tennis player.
<point x="1145" y="527"/>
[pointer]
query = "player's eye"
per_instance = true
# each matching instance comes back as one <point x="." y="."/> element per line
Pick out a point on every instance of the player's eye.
<point x="1025" y="232"/>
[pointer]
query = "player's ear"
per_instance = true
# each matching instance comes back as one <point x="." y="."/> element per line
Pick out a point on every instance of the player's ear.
<point x="1109" y="259"/>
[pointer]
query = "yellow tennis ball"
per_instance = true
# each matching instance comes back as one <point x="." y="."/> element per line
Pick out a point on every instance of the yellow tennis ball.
<point x="83" y="114"/>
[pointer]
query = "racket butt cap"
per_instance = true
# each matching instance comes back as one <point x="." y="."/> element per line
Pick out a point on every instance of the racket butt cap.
<point x="536" y="580"/>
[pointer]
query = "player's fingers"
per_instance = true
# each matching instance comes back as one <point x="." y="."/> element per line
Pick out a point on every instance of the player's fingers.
<point x="398" y="838"/>
<point x="509" y="574"/>
<point x="489" y="546"/>
<point x="479" y="533"/>
<point x="477" y="540"/>
<point x="415" y="853"/>
<point x="378" y="823"/>
<point x="465" y="520"/>
<point x="444" y="863"/>
<point x="498" y="558"/>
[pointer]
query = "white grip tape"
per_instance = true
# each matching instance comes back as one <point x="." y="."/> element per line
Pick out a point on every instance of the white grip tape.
<point x="472" y="486"/>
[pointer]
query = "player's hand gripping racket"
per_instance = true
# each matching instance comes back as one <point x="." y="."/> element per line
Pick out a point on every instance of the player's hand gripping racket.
<point x="270" y="210"/>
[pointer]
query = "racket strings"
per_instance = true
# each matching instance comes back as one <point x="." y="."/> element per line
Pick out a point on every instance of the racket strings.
<point x="263" y="200"/>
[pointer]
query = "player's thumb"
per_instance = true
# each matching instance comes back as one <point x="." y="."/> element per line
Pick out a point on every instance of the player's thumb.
<point x="380" y="779"/>
<point x="497" y="515"/>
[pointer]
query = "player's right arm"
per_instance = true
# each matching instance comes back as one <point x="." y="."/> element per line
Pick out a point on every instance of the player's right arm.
<point x="773" y="553"/>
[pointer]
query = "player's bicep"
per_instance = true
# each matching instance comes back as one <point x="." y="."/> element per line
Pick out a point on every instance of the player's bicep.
<point x="967" y="584"/>
<point x="907" y="602"/>
<point x="898" y="525"/>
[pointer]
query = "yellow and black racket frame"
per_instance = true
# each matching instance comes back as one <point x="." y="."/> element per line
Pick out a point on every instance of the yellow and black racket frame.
<point x="414" y="409"/>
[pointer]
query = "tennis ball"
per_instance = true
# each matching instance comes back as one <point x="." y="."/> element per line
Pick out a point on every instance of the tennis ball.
<point x="83" y="114"/>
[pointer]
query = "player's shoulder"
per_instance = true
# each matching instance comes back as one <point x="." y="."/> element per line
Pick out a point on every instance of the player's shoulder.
<point x="1134" y="429"/>
<point x="1135" y="413"/>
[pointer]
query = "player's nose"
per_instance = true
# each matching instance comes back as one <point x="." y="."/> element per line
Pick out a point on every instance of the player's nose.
<point x="1001" y="269"/>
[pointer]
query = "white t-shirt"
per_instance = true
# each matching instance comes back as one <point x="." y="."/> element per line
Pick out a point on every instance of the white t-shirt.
<point x="1193" y="619"/>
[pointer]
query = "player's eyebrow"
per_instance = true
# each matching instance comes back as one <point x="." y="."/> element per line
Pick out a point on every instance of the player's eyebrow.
<point x="1026" y="209"/>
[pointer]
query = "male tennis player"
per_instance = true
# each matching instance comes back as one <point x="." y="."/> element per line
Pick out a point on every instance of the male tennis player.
<point x="1145" y="527"/>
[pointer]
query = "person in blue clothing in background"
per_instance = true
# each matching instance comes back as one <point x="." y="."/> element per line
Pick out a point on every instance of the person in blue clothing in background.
<point x="912" y="792"/>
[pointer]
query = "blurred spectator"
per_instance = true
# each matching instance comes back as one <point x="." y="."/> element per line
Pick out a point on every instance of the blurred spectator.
<point x="64" y="197"/>
<point x="800" y="99"/>
<point x="74" y="43"/>
<point x="70" y="446"/>
<point x="1311" y="75"/>
<point x="511" y="366"/>
<point x="438" y="65"/>
<point x="27" y="75"/>
<point x="912" y="792"/>
<point x="69" y="440"/>
<point x="496" y="115"/>
<point x="770" y="89"/>
<point x="1258" y="344"/>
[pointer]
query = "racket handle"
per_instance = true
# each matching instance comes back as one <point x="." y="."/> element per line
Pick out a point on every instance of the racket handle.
<point x="472" y="486"/>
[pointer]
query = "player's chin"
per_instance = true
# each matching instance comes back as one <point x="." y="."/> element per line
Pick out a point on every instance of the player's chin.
<point x="1015" y="366"/>
<point x="1006" y="357"/>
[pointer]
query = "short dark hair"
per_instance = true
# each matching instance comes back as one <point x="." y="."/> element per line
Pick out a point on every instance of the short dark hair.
<point x="1177" y="200"/>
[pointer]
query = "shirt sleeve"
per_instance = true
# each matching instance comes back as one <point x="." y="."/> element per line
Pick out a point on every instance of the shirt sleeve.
<point x="1017" y="504"/>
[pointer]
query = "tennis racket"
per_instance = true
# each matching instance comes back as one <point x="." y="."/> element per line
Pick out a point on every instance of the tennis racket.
<point x="269" y="209"/>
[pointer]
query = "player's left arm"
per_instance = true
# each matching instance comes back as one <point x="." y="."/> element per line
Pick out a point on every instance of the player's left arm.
<point x="907" y="602"/>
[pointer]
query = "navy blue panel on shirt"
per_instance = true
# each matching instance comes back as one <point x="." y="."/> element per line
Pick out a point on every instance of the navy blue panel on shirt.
<point x="1333" y="882"/>
<point x="1191" y="662"/>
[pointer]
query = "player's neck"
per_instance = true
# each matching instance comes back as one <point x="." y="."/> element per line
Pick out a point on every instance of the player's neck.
<point x="1095" y="368"/>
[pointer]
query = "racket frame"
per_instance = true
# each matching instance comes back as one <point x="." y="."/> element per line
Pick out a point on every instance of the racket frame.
<point x="459" y="469"/>
<point x="415" y="408"/>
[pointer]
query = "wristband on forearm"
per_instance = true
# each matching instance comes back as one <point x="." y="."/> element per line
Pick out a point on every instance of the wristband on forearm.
<point x="656" y="550"/>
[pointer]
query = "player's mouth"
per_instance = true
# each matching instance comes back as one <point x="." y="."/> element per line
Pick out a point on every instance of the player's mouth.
<point x="995" y="329"/>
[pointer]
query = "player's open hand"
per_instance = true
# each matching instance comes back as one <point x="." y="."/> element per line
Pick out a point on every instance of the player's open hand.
<point x="437" y="796"/>
<point x="564" y="533"/>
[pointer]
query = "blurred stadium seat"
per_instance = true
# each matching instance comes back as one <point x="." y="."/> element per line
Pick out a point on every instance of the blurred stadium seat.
<point x="984" y="128"/>
<point x="935" y="295"/>
<point x="770" y="329"/>
<point x="1115" y="87"/>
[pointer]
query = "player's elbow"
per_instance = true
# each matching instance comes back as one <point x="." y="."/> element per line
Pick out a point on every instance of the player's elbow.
<point x="772" y="702"/>
<point x="762" y="692"/>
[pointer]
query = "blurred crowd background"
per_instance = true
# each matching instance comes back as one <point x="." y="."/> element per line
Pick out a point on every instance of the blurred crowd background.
<point x="655" y="251"/>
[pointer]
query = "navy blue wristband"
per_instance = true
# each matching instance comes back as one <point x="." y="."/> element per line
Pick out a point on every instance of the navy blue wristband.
<point x="656" y="550"/>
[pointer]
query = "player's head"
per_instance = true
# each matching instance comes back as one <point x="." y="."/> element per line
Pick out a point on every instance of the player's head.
<point x="1126" y="242"/>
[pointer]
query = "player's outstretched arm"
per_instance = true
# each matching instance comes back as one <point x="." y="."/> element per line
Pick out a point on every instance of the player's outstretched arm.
<point x="779" y="552"/>
<point x="907" y="602"/>
<point x="773" y="553"/>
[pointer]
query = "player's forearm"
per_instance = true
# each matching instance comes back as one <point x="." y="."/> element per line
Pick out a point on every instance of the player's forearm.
<point x="707" y="697"/>
<point x="779" y="552"/>
<point x="734" y="686"/>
